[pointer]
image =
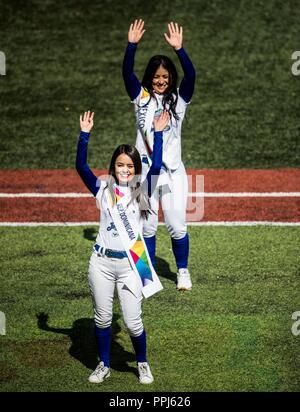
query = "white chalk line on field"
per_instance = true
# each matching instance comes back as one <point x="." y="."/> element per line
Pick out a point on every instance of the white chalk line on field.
<point x="191" y="194"/>
<point x="212" y="223"/>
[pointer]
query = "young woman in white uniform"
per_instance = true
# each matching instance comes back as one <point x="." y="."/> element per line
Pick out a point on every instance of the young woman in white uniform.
<point x="157" y="92"/>
<point x="110" y="264"/>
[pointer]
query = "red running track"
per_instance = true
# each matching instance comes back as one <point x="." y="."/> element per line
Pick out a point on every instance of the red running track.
<point x="216" y="209"/>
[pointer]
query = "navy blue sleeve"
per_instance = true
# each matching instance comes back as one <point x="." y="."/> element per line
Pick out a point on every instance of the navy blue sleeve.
<point x="132" y="85"/>
<point x="88" y="177"/>
<point x="186" y="88"/>
<point x="154" y="171"/>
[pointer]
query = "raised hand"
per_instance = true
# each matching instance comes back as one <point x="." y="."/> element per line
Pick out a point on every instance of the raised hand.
<point x="161" y="122"/>
<point x="136" y="31"/>
<point x="86" y="121"/>
<point x="175" y="35"/>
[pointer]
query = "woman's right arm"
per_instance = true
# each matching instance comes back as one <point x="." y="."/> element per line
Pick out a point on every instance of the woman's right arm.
<point x="153" y="174"/>
<point x="88" y="177"/>
<point x="132" y="85"/>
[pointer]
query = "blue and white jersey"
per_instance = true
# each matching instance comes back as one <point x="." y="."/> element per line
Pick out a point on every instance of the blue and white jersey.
<point x="108" y="236"/>
<point x="146" y="109"/>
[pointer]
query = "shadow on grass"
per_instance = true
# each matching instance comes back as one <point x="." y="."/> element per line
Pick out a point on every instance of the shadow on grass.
<point x="84" y="348"/>
<point x="90" y="233"/>
<point x="163" y="269"/>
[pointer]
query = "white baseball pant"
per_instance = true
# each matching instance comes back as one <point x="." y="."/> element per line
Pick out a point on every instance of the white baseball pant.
<point x="173" y="203"/>
<point x="103" y="274"/>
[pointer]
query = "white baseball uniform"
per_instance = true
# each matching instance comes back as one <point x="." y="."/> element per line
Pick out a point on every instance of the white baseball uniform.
<point x="105" y="272"/>
<point x="172" y="187"/>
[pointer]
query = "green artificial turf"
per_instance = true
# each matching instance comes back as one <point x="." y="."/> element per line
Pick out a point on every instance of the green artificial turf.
<point x="65" y="57"/>
<point x="232" y="332"/>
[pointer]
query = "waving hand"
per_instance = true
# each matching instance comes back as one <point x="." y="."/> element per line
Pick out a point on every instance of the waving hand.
<point x="136" y="31"/>
<point x="87" y="121"/>
<point x="175" y="36"/>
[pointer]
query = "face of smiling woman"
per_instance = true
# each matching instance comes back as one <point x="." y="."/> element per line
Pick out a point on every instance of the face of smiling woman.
<point x="160" y="81"/>
<point x="124" y="168"/>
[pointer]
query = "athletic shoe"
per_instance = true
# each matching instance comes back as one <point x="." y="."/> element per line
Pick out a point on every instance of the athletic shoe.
<point x="145" y="374"/>
<point x="100" y="373"/>
<point x="184" y="280"/>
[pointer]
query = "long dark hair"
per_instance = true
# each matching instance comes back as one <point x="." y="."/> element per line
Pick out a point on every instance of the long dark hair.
<point x="135" y="183"/>
<point x="171" y="95"/>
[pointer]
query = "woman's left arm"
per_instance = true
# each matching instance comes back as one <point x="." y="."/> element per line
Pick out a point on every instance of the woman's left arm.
<point x="187" y="85"/>
<point x="175" y="39"/>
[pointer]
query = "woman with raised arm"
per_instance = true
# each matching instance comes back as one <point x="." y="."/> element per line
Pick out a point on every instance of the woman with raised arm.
<point x="120" y="257"/>
<point x="157" y="92"/>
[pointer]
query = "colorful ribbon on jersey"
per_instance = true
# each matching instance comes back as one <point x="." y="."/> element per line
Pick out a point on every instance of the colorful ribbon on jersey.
<point x="128" y="228"/>
<point x="141" y="261"/>
<point x="148" y="111"/>
<point x="118" y="193"/>
<point x="138" y="251"/>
